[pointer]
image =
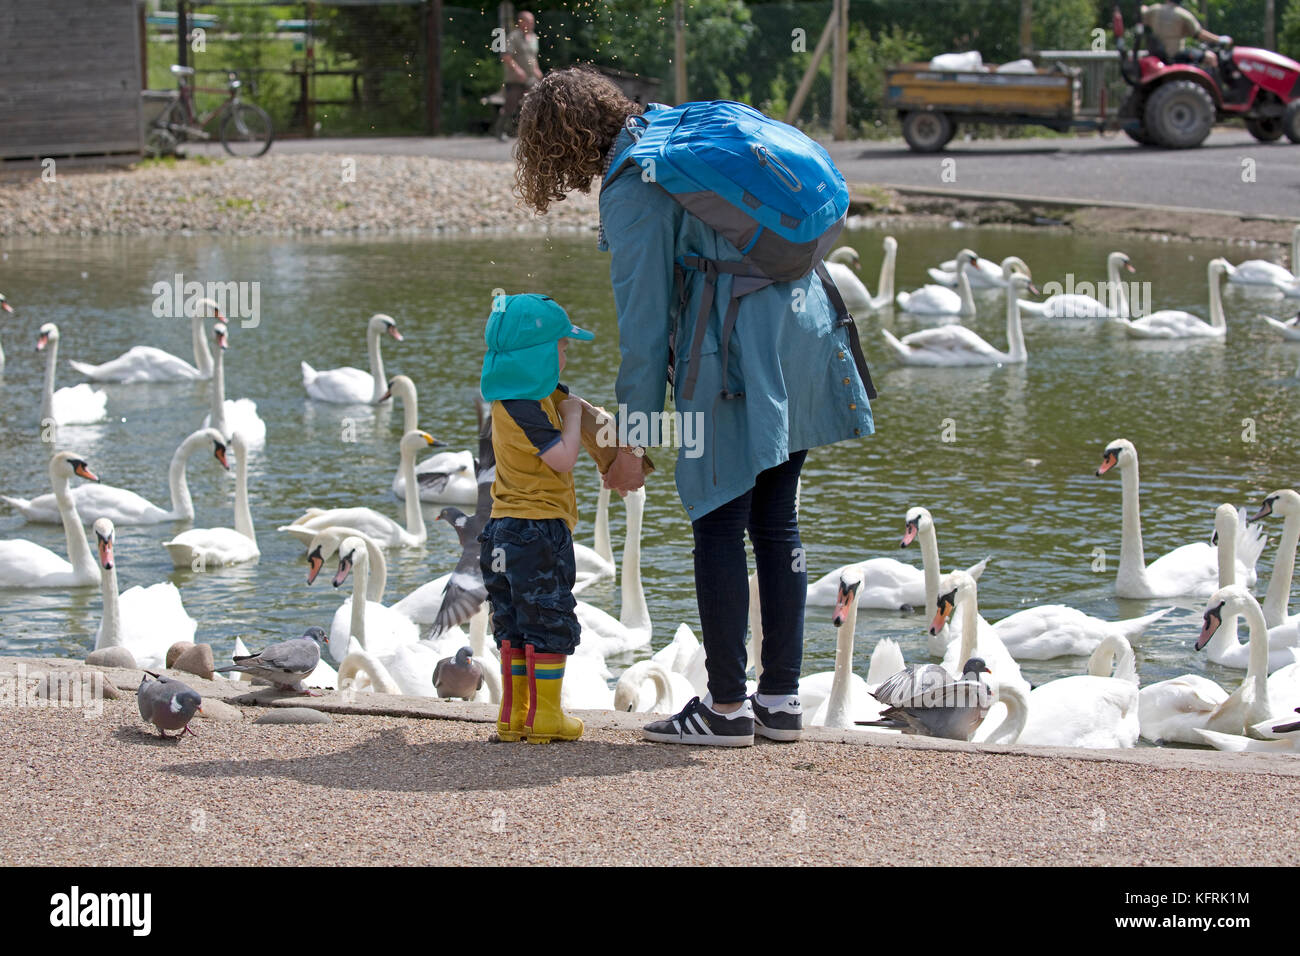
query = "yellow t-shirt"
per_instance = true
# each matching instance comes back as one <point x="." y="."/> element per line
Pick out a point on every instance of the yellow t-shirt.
<point x="1171" y="25"/>
<point x="525" y="486"/>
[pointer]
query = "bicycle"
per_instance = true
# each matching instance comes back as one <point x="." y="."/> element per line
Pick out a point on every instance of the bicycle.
<point x="245" y="128"/>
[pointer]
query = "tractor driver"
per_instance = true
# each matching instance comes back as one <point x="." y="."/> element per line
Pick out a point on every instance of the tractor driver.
<point x="1171" y="24"/>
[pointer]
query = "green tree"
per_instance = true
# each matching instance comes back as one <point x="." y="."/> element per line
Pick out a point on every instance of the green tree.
<point x="1289" y="36"/>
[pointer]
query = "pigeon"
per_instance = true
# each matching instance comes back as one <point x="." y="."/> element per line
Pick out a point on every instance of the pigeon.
<point x="459" y="676"/>
<point x="168" y="704"/>
<point x="286" y="664"/>
<point x="465" y="592"/>
<point x="926" y="700"/>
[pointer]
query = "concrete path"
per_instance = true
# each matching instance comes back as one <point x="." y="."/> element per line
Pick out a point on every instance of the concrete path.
<point x="415" y="781"/>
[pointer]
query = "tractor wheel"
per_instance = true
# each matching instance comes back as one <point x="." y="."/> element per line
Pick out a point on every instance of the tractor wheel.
<point x="1139" y="135"/>
<point x="927" y="132"/>
<point x="1179" y="114"/>
<point x="1291" y="126"/>
<point x="1266" y="129"/>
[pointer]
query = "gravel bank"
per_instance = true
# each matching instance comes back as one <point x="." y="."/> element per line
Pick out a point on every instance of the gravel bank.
<point x="280" y="194"/>
<point x="404" y="790"/>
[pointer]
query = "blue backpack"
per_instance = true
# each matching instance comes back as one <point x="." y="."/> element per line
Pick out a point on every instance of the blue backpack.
<point x="767" y="188"/>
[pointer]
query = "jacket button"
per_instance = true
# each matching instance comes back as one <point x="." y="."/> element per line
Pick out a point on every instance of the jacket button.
<point x="841" y="355"/>
<point x="857" y="431"/>
<point x="853" y="406"/>
<point x="846" y="381"/>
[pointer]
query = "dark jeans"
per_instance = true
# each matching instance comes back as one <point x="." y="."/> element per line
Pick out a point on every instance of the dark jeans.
<point x="528" y="570"/>
<point x="767" y="512"/>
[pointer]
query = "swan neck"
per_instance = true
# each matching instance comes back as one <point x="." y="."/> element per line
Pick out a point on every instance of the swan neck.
<point x="602" y="545"/>
<point x="1257" y="662"/>
<point x="47" y="392"/>
<point x="377" y="570"/>
<point x="1216" y="299"/>
<point x="964" y="290"/>
<point x="478" y="625"/>
<point x="885" y="284"/>
<point x="1279" y="584"/>
<point x="84" y="564"/>
<point x="663" y="689"/>
<point x="199" y="338"/>
<point x="633" y="612"/>
<point x="1013" y="725"/>
<point x="969" y="626"/>
<point x="182" y="503"/>
<point x="930" y="565"/>
<point x="1132" y="559"/>
<point x="111" y="633"/>
<point x="376" y="363"/>
<point x="1295" y="252"/>
<point x="1120" y="292"/>
<point x="359" y="583"/>
<point x="414" y="515"/>
<point x="410" y="411"/>
<point x="1015" y="334"/>
<point x="218" y="393"/>
<point x="243" y="516"/>
<point x="837" y="707"/>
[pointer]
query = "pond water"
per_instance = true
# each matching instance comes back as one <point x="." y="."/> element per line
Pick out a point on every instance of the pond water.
<point x="1016" y="484"/>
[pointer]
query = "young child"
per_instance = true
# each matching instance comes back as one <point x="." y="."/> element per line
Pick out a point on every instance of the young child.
<point x="527" y="556"/>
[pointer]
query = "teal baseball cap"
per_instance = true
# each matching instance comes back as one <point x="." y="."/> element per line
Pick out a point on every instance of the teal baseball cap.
<point x="521" y="359"/>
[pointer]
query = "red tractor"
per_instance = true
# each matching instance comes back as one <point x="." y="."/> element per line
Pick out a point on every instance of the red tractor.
<point x="1176" y="104"/>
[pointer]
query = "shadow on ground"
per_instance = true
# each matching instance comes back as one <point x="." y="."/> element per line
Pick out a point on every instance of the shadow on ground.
<point x="389" y="762"/>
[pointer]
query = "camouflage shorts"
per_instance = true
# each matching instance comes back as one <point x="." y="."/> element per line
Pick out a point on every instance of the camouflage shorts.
<point x="528" y="569"/>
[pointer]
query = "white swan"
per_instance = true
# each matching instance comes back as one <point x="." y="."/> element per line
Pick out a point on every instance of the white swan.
<point x="202" y="548"/>
<point x="843" y="265"/>
<point x="595" y="563"/>
<point x="1093" y="710"/>
<point x="1177" y="324"/>
<point x="850" y="698"/>
<point x="919" y="524"/>
<point x="940" y="300"/>
<point x="953" y="345"/>
<point x="1290" y="329"/>
<point x="231" y="415"/>
<point x="977" y="638"/>
<point x="145" y="363"/>
<point x="983" y="273"/>
<point x="649" y="687"/>
<point x="75" y="405"/>
<point x="1226" y="648"/>
<point x="126" y="507"/>
<point x="348" y="386"/>
<point x="1285" y="503"/>
<point x="1261" y="272"/>
<point x="1172" y="711"/>
<point x="25" y="564"/>
<point x="1287" y="742"/>
<point x="1058" y="630"/>
<point x="448" y="477"/>
<point x="1072" y="305"/>
<point x="386" y="532"/>
<point x="1192" y="569"/>
<point x="887" y="583"/>
<point x="378" y="629"/>
<point x="146" y="621"/>
<point x="326" y="541"/>
<point x="1283" y="638"/>
<point x="1261" y="695"/>
<point x="631" y="631"/>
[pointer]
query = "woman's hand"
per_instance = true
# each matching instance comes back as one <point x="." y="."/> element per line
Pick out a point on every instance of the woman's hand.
<point x="625" y="473"/>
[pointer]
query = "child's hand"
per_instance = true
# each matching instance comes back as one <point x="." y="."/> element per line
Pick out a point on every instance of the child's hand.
<point x="570" y="406"/>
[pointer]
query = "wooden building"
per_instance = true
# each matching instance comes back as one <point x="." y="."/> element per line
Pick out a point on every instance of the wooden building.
<point x="70" y="78"/>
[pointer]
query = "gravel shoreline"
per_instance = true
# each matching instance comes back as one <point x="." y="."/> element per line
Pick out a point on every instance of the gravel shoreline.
<point x="383" y="788"/>
<point x="282" y="194"/>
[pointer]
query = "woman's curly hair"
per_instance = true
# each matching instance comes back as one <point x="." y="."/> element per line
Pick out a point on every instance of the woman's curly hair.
<point x="567" y="122"/>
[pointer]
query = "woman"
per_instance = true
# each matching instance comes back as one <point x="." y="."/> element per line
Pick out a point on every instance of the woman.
<point x="791" y="385"/>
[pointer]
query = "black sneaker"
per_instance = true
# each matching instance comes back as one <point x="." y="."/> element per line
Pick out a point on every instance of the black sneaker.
<point x="782" y="722"/>
<point x="697" y="724"/>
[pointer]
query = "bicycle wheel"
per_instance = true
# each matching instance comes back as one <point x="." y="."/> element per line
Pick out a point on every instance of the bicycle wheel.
<point x="247" y="130"/>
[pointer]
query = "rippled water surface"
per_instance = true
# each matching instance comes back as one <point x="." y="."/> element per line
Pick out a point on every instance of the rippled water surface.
<point x="1017" y="483"/>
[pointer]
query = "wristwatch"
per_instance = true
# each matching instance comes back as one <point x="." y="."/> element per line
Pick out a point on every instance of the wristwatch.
<point x="637" y="451"/>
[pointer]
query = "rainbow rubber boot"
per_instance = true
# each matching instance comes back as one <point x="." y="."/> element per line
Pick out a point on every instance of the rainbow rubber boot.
<point x="514" y="693"/>
<point x="545" y="720"/>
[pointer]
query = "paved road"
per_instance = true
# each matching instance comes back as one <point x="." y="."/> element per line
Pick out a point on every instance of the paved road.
<point x="1082" y="169"/>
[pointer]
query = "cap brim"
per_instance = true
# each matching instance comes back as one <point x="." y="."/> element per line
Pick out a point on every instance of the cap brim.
<point x="581" y="335"/>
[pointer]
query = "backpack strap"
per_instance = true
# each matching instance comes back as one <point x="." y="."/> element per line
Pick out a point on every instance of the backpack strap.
<point x="845" y="319"/>
<point x="746" y="280"/>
